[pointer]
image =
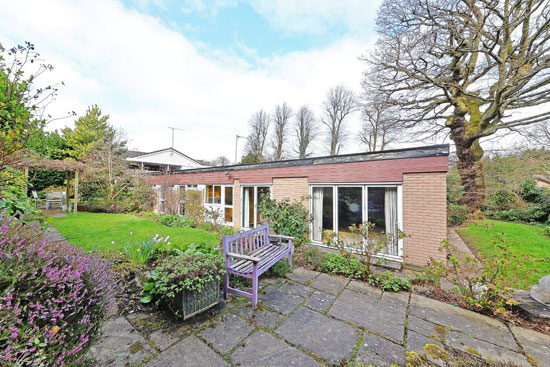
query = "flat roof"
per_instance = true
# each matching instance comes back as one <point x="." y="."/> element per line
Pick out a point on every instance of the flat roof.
<point x="403" y="153"/>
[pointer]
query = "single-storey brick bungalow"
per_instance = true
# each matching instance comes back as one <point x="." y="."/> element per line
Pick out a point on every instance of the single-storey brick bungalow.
<point x="401" y="188"/>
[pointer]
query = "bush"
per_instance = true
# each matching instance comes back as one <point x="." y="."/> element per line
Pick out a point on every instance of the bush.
<point x="285" y="218"/>
<point x="315" y="257"/>
<point x="389" y="282"/>
<point x="178" y="221"/>
<point x="53" y="297"/>
<point x="456" y="214"/>
<point x="280" y="269"/>
<point x="338" y="264"/>
<point x="501" y="200"/>
<point x="175" y="274"/>
<point x="455" y="190"/>
<point x="527" y="214"/>
<point x="15" y="203"/>
<point x="484" y="283"/>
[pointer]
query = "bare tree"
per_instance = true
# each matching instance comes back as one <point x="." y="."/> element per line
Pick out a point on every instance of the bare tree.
<point x="470" y="68"/>
<point x="380" y="119"/>
<point x="259" y="128"/>
<point x="305" y="131"/>
<point x="281" y="117"/>
<point x="538" y="134"/>
<point x="220" y="161"/>
<point x="340" y="103"/>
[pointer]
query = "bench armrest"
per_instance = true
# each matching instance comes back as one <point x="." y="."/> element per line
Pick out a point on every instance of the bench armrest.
<point x="244" y="257"/>
<point x="281" y="236"/>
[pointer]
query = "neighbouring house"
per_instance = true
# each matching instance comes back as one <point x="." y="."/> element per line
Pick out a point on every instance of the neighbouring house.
<point x="401" y="189"/>
<point x="164" y="160"/>
<point x="542" y="181"/>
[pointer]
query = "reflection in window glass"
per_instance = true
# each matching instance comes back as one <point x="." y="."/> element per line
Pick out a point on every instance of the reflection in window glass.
<point x="263" y="192"/>
<point x="217" y="194"/>
<point x="350" y="212"/>
<point x="228" y="195"/>
<point x="228" y="215"/>
<point x="209" y="194"/>
<point x="323" y="210"/>
<point x="376" y="208"/>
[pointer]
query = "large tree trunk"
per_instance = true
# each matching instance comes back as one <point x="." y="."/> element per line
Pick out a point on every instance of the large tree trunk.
<point x="469" y="153"/>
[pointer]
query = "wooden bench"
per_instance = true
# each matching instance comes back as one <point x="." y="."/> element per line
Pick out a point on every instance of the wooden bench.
<point x="251" y="253"/>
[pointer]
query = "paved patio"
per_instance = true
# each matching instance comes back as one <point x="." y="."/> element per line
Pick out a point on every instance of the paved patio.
<point x="313" y="319"/>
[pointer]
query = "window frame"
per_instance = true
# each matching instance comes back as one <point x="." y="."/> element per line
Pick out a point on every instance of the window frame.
<point x="255" y="186"/>
<point x="221" y="206"/>
<point x="364" y="186"/>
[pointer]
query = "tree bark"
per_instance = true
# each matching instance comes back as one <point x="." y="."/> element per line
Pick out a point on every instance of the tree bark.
<point x="469" y="153"/>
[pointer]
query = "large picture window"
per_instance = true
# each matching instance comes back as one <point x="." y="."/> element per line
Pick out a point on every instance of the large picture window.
<point x="336" y="208"/>
<point x="252" y="196"/>
<point x="220" y="198"/>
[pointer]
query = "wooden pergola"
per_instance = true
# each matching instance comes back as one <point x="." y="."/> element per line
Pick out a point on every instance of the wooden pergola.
<point x="69" y="167"/>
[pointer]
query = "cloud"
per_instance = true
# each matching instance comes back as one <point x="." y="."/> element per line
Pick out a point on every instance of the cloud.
<point x="148" y="76"/>
<point x="318" y="17"/>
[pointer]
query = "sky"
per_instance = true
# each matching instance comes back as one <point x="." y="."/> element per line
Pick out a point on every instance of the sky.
<point x="204" y="66"/>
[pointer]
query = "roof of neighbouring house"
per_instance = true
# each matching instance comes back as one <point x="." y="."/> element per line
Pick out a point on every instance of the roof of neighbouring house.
<point x="542" y="178"/>
<point x="167" y="156"/>
<point x="416" y="152"/>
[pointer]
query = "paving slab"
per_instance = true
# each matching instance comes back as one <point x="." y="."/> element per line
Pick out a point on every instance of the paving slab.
<point x="364" y="287"/>
<point x="471" y="323"/>
<point x="380" y="352"/>
<point x="329" y="283"/>
<point x="320" y="301"/>
<point x="226" y="332"/>
<point x="190" y="352"/>
<point x="416" y="343"/>
<point x="302" y="275"/>
<point x="330" y="339"/>
<point x="425" y="328"/>
<point x="298" y="288"/>
<point x="165" y="338"/>
<point x="487" y="350"/>
<point x="536" y="345"/>
<point x="381" y="316"/>
<point x="281" y="301"/>
<point x="263" y="317"/>
<point x="264" y="350"/>
<point x="120" y="345"/>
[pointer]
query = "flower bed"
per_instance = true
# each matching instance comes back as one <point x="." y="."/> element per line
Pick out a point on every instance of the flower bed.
<point x="53" y="297"/>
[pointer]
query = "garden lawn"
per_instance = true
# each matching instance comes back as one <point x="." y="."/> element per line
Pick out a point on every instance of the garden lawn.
<point x="522" y="239"/>
<point x="89" y="230"/>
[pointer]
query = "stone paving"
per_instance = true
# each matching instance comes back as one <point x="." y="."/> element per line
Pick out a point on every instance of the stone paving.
<point x="313" y="319"/>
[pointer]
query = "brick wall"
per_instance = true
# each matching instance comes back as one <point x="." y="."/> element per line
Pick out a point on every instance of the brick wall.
<point x="296" y="188"/>
<point x="424" y="216"/>
<point x="236" y="204"/>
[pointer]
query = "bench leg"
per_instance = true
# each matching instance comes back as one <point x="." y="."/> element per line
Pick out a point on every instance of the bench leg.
<point x="226" y="286"/>
<point x="290" y="259"/>
<point x="255" y="281"/>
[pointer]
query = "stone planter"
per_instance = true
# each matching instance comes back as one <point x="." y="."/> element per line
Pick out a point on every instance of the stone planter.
<point x="187" y="303"/>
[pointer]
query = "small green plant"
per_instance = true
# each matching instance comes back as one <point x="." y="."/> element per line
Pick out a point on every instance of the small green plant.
<point x="313" y="256"/>
<point x="142" y="252"/>
<point x="285" y="218"/>
<point x="175" y="274"/>
<point x="389" y="282"/>
<point x="280" y="269"/>
<point x="338" y="264"/>
<point x="546" y="231"/>
<point x="178" y="221"/>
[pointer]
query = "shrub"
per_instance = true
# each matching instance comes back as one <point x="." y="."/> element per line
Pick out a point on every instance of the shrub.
<point x="528" y="213"/>
<point x="455" y="190"/>
<point x="280" y="269"/>
<point x="484" y="283"/>
<point x="175" y="274"/>
<point x="142" y="252"/>
<point x="456" y="214"/>
<point x="546" y="231"/>
<point x="389" y="282"/>
<point x="501" y="200"/>
<point x="285" y="218"/>
<point x="313" y="256"/>
<point x="53" y="297"/>
<point x="15" y="203"/>
<point x="207" y="226"/>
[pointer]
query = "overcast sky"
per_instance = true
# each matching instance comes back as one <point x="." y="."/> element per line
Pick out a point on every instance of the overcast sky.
<point x="204" y="66"/>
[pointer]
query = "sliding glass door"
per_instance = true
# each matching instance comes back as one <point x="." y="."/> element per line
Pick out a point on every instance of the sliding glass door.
<point x="338" y="207"/>
<point x="252" y="196"/>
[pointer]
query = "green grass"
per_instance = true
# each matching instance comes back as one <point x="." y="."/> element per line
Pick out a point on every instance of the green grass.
<point x="522" y="239"/>
<point x="89" y="230"/>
